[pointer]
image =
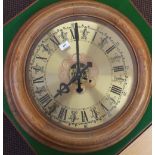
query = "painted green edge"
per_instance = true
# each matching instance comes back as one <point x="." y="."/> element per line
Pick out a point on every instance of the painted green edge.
<point x="124" y="6"/>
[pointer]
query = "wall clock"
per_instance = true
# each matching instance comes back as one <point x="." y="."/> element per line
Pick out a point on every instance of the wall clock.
<point x="78" y="76"/>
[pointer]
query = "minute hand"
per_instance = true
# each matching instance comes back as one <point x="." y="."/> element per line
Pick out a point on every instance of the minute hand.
<point x="79" y="89"/>
<point x="77" y="46"/>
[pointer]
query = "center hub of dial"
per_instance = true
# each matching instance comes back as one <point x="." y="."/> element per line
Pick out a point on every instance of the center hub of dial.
<point x="68" y="70"/>
<point x="85" y="79"/>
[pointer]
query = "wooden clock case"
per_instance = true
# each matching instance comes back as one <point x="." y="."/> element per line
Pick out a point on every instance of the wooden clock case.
<point x="22" y="106"/>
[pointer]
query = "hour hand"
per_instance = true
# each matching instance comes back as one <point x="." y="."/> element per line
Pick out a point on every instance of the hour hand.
<point x="79" y="89"/>
<point x="64" y="88"/>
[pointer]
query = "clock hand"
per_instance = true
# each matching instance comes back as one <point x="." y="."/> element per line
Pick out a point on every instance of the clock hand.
<point x="77" y="46"/>
<point x="64" y="88"/>
<point x="79" y="89"/>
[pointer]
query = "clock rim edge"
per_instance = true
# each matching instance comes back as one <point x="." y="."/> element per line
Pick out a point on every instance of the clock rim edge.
<point x="8" y="86"/>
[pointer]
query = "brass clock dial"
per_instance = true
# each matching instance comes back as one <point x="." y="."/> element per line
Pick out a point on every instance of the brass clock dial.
<point x="78" y="76"/>
<point x="107" y="86"/>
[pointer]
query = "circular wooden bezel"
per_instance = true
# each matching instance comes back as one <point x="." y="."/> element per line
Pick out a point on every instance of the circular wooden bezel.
<point x="21" y="104"/>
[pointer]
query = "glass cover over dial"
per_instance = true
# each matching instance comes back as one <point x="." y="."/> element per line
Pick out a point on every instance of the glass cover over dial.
<point x="81" y="73"/>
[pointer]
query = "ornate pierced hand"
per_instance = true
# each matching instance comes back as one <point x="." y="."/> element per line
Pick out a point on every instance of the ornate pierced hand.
<point x="64" y="88"/>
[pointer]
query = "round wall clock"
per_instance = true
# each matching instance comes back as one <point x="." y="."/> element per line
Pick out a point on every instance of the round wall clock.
<point x="78" y="76"/>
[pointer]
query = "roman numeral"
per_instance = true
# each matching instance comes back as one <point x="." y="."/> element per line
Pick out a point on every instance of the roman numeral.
<point x="38" y="68"/>
<point x="55" y="40"/>
<point x="73" y="116"/>
<point x="94" y="36"/>
<point x="52" y="108"/>
<point x="106" y="110"/>
<point x="103" y="42"/>
<point x="84" y="116"/>
<point x="63" y="35"/>
<point x="104" y="107"/>
<point x="40" y="90"/>
<point x="62" y="114"/>
<point x="111" y="48"/>
<point x="117" y="90"/>
<point x="39" y="80"/>
<point x="72" y="34"/>
<point x="94" y="113"/>
<point x="118" y="68"/>
<point x="46" y="99"/>
<point x="45" y="47"/>
<point x="42" y="58"/>
<point x="84" y="34"/>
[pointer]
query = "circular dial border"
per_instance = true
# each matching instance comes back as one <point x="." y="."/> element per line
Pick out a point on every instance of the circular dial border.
<point x="38" y="75"/>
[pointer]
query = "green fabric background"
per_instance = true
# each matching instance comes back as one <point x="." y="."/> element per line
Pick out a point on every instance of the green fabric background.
<point x="125" y="7"/>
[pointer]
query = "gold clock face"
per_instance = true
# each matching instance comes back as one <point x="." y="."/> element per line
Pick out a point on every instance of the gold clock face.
<point x="107" y="67"/>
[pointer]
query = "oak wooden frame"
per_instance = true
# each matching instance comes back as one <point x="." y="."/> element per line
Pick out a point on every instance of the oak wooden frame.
<point x="24" y="110"/>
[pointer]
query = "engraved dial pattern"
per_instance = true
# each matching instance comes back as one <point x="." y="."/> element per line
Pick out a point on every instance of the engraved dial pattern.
<point x="107" y="85"/>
